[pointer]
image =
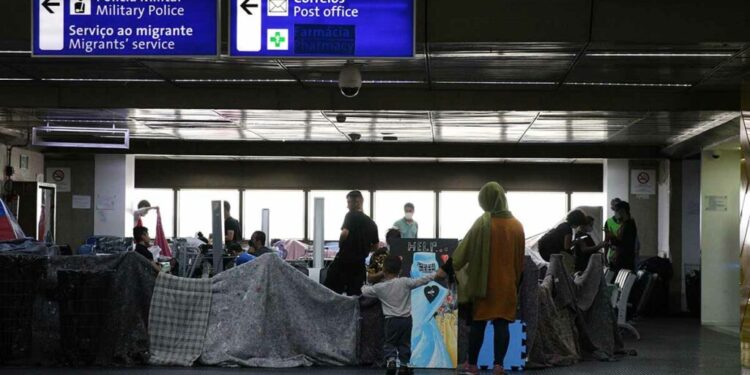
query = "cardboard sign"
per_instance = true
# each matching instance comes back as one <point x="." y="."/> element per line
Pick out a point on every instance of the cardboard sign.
<point x="434" y="306"/>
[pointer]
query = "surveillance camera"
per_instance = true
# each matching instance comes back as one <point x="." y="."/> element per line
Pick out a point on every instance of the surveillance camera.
<point x="355" y="136"/>
<point x="715" y="154"/>
<point x="341" y="118"/>
<point x="350" y="80"/>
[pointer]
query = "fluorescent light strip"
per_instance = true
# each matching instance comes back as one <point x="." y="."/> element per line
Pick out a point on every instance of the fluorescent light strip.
<point x="16" y="79"/>
<point x="626" y="84"/>
<point x="490" y="54"/>
<point x="235" y="80"/>
<point x="657" y="54"/>
<point x="369" y="82"/>
<point x="6" y="52"/>
<point x="392" y="82"/>
<point x="102" y="80"/>
<point x="521" y="83"/>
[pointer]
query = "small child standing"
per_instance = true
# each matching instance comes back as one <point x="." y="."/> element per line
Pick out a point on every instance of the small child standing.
<point x="394" y="294"/>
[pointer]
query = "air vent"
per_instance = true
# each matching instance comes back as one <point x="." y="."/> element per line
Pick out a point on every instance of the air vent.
<point x="80" y="137"/>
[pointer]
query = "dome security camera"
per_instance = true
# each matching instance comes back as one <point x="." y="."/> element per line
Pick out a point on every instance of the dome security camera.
<point x="350" y="80"/>
<point x="715" y="154"/>
<point x="355" y="137"/>
<point x="341" y="118"/>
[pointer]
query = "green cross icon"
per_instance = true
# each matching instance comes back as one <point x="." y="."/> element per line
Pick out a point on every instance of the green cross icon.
<point x="277" y="39"/>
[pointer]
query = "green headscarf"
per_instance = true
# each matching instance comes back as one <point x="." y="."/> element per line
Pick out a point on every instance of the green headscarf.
<point x="472" y="257"/>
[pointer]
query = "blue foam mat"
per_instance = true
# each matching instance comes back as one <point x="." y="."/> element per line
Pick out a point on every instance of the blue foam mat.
<point x="515" y="358"/>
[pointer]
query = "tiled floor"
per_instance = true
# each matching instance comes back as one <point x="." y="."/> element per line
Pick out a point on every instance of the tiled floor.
<point x="667" y="346"/>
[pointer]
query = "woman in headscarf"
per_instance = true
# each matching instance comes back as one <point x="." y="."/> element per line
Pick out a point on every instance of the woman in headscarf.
<point x="489" y="264"/>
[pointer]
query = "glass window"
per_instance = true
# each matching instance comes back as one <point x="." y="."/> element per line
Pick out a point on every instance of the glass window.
<point x="538" y="211"/>
<point x="335" y="211"/>
<point x="389" y="207"/>
<point x="587" y="199"/>
<point x="164" y="199"/>
<point x="195" y="209"/>
<point x="287" y="216"/>
<point x="458" y="212"/>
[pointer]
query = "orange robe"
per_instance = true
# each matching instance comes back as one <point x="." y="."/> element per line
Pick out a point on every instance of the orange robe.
<point x="507" y="251"/>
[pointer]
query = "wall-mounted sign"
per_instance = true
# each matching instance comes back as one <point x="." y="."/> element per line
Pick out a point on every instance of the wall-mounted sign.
<point x="643" y="182"/>
<point x="59" y="177"/>
<point x="125" y="27"/>
<point x="716" y="203"/>
<point x="322" y="29"/>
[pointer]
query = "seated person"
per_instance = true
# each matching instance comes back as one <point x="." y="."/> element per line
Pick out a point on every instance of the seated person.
<point x="258" y="244"/>
<point x="142" y="242"/>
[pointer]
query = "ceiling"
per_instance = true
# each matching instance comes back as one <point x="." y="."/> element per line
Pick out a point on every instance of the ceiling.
<point x="526" y="66"/>
<point x="503" y="127"/>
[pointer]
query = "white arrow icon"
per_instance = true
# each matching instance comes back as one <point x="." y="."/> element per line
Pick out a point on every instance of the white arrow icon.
<point x="249" y="15"/>
<point x="51" y="25"/>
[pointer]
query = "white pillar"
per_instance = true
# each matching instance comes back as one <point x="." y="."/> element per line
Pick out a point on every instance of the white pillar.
<point x="217" y="227"/>
<point x="720" y="236"/>
<point x="114" y="182"/>
<point x="265" y="225"/>
<point x="616" y="182"/>
<point x="319" y="240"/>
<point x="664" y="191"/>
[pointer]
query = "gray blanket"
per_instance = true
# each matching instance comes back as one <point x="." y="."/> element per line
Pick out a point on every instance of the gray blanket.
<point x="555" y="342"/>
<point x="588" y="282"/>
<point x="267" y="314"/>
<point x="178" y="319"/>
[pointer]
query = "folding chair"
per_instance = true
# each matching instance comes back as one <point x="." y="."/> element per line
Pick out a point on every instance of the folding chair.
<point x="624" y="281"/>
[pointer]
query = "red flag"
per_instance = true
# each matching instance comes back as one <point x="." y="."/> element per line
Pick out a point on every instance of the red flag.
<point x="161" y="239"/>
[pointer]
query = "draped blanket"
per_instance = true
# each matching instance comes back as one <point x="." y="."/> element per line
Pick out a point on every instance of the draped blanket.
<point x="268" y="314"/>
<point x="178" y="319"/>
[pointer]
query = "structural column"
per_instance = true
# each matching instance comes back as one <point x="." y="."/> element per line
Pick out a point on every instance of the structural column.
<point x="616" y="180"/>
<point x="114" y="184"/>
<point x="745" y="225"/>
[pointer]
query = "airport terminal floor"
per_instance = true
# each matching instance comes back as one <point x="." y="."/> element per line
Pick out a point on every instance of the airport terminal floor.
<point x="669" y="347"/>
<point x="374" y="186"/>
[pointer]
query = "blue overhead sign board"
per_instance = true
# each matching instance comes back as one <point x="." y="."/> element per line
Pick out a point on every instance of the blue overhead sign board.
<point x="125" y="27"/>
<point x="322" y="28"/>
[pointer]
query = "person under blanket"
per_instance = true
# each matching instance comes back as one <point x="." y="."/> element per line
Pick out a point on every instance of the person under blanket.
<point x="394" y="294"/>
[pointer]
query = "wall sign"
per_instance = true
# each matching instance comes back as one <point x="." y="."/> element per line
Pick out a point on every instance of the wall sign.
<point x="59" y="177"/>
<point x="125" y="27"/>
<point x="434" y="307"/>
<point x="81" y="202"/>
<point x="643" y="181"/>
<point x="716" y="203"/>
<point x="320" y="29"/>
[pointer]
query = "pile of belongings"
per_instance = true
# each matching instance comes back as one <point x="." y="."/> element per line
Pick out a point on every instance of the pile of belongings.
<point x="119" y="310"/>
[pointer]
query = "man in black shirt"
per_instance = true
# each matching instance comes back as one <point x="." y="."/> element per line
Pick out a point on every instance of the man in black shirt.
<point x="142" y="242"/>
<point x="232" y="231"/>
<point x="359" y="236"/>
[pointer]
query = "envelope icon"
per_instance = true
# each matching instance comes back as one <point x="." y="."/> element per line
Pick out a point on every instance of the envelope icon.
<point x="278" y="8"/>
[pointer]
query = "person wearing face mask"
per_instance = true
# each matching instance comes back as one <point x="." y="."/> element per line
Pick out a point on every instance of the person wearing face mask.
<point x="407" y="226"/>
<point x="625" y="244"/>
<point x="584" y="246"/>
